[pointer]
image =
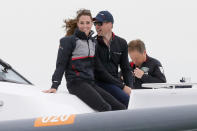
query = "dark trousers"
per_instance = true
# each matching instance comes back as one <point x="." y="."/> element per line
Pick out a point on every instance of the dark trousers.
<point x="94" y="96"/>
<point x="115" y="91"/>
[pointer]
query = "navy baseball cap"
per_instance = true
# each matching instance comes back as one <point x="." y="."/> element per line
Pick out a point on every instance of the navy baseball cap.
<point x="104" y="16"/>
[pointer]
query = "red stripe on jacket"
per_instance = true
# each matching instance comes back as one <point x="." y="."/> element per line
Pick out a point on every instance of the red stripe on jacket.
<point x="76" y="58"/>
<point x="131" y="64"/>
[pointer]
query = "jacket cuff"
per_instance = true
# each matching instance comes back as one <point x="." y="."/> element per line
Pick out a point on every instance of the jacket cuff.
<point x="122" y="86"/>
<point x="144" y="77"/>
<point x="55" y="86"/>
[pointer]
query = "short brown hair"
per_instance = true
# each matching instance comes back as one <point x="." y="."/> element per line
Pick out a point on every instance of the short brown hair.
<point x="136" y="45"/>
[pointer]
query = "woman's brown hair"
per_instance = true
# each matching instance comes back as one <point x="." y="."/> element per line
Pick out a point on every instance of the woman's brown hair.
<point x="71" y="24"/>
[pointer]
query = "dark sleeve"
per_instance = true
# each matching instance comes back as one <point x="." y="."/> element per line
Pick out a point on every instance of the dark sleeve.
<point x="101" y="73"/>
<point x="125" y="66"/>
<point x="64" y="54"/>
<point x="156" y="77"/>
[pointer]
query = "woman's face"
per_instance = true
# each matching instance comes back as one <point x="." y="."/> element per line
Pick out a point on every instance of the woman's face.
<point x="85" y="24"/>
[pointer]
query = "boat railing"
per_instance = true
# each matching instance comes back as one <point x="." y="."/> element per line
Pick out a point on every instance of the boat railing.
<point x="168" y="85"/>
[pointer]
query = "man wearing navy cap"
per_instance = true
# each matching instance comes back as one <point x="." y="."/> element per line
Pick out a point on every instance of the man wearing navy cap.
<point x="112" y="52"/>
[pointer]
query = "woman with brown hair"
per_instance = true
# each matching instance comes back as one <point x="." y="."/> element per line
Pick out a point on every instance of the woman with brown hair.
<point x="76" y="59"/>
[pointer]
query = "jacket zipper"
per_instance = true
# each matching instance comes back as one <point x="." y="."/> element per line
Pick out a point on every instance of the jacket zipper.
<point x="109" y="49"/>
<point x="88" y="37"/>
<point x="109" y="52"/>
<point x="88" y="48"/>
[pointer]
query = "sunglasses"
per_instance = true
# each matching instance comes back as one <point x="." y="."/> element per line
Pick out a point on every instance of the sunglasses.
<point x="98" y="23"/>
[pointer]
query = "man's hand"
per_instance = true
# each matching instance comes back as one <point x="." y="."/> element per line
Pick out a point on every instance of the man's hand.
<point x="127" y="90"/>
<point x="52" y="90"/>
<point x="138" y="73"/>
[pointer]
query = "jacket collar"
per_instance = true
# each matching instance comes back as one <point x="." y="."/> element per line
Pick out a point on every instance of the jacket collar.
<point x="82" y="35"/>
<point x="147" y="59"/>
<point x="100" y="38"/>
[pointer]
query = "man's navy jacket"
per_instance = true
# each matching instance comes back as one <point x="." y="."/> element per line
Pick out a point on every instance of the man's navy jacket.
<point x="153" y="73"/>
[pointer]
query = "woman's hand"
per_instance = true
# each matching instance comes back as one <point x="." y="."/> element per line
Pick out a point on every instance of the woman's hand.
<point x="52" y="90"/>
